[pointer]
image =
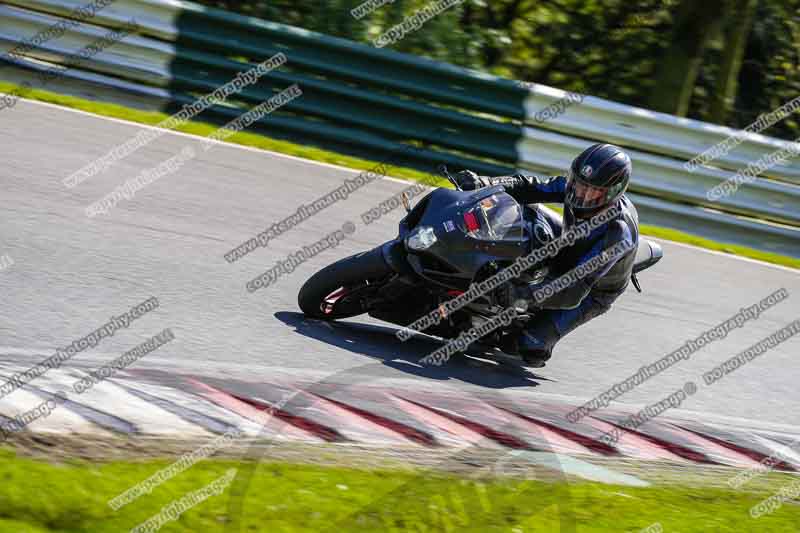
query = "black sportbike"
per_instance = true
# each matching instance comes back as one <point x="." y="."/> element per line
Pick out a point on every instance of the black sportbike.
<point x="449" y="240"/>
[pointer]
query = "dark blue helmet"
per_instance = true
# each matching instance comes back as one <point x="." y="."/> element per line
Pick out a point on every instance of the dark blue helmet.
<point x="598" y="177"/>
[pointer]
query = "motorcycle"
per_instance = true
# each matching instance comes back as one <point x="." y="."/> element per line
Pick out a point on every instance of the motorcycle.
<point x="449" y="241"/>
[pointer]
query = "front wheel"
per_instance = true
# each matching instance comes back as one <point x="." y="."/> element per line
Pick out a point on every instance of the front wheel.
<point x="337" y="291"/>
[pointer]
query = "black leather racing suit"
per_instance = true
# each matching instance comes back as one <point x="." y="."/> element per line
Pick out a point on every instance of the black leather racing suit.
<point x="592" y="295"/>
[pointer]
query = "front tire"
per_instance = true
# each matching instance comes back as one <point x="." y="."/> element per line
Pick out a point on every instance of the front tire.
<point x="334" y="291"/>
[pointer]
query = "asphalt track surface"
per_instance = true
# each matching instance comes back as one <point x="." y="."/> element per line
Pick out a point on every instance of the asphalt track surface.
<point x="71" y="273"/>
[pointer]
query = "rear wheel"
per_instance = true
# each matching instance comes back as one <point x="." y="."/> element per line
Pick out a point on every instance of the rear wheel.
<point x="338" y="290"/>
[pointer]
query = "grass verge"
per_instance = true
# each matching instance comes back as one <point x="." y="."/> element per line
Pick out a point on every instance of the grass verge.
<point x="37" y="497"/>
<point x="325" y="156"/>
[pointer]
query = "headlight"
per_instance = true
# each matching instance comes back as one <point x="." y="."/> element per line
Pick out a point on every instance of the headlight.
<point x="421" y="238"/>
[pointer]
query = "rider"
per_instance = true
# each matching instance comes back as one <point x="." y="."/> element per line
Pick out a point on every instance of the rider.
<point x="596" y="182"/>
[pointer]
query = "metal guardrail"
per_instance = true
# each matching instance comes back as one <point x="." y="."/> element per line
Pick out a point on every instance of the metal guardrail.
<point x="658" y="133"/>
<point x="665" y="178"/>
<point x="378" y="100"/>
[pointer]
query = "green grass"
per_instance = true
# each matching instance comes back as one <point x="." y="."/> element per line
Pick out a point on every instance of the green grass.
<point x="42" y="497"/>
<point x="204" y="129"/>
<point x="325" y="156"/>
<point x="733" y="249"/>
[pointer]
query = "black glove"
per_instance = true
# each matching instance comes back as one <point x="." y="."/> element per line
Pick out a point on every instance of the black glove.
<point x="468" y="181"/>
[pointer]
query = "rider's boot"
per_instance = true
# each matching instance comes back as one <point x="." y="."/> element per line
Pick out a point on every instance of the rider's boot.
<point x="534" y="344"/>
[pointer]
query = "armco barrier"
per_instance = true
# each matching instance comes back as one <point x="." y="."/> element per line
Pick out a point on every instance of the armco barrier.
<point x="375" y="101"/>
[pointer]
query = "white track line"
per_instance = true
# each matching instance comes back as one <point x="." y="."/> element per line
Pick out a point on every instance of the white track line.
<point x="346" y="169"/>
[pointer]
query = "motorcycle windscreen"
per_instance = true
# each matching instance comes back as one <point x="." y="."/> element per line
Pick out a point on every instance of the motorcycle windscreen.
<point x="496" y="217"/>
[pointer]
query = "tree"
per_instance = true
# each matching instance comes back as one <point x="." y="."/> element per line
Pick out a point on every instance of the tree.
<point x="696" y="24"/>
<point x="737" y="31"/>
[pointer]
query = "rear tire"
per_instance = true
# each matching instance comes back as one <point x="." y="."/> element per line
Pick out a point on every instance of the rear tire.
<point x="348" y="273"/>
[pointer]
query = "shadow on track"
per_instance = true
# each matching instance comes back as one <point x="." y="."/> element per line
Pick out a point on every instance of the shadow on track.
<point x="379" y="342"/>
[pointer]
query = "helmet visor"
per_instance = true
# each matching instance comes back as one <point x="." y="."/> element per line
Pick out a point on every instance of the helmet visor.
<point x="582" y="195"/>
